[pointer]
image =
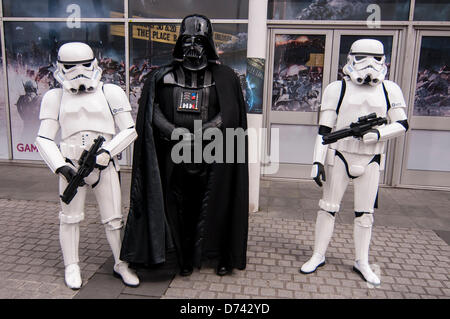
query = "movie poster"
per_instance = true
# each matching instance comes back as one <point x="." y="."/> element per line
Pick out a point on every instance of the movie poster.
<point x="255" y="85"/>
<point x="396" y="10"/>
<point x="151" y="46"/>
<point x="176" y="9"/>
<point x="31" y="49"/>
<point x="433" y="79"/>
<point x="298" y="72"/>
<point x="62" y="8"/>
<point x="3" y="118"/>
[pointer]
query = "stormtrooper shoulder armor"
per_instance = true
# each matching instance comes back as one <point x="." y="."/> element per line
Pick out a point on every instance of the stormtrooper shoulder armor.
<point x="117" y="98"/>
<point x="331" y="96"/>
<point x="49" y="127"/>
<point x="50" y="104"/>
<point x="330" y="104"/>
<point x="395" y="95"/>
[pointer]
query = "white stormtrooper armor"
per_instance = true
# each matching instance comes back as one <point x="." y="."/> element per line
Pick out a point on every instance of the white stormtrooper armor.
<point x="357" y="159"/>
<point x="83" y="110"/>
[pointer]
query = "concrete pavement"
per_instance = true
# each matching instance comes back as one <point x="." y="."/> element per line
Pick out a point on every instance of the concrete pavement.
<point x="410" y="247"/>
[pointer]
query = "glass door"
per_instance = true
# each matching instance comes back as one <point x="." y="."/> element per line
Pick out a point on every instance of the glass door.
<point x="302" y="64"/>
<point x="300" y="68"/>
<point x="426" y="158"/>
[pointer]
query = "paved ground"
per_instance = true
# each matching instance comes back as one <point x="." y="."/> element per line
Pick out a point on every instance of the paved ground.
<point x="410" y="247"/>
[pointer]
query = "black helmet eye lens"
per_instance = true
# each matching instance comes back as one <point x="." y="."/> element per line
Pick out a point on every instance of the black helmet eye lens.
<point x="360" y="57"/>
<point x="68" y="66"/>
<point x="378" y="58"/>
<point x="87" y="64"/>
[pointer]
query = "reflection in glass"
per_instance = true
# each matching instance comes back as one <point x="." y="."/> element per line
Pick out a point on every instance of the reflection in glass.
<point x="64" y="8"/>
<point x="178" y="9"/>
<point x="31" y="49"/>
<point x="432" y="10"/>
<point x="298" y="72"/>
<point x="337" y="10"/>
<point x="432" y="90"/>
<point x="3" y="135"/>
<point x="347" y="41"/>
<point x="151" y="46"/>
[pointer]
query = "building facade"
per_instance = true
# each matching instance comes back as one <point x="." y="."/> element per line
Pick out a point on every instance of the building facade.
<point x="307" y="43"/>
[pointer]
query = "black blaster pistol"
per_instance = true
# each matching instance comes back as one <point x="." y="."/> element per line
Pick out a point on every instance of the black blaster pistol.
<point x="86" y="166"/>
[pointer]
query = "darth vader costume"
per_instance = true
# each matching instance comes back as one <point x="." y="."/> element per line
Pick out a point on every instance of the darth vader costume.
<point x="198" y="209"/>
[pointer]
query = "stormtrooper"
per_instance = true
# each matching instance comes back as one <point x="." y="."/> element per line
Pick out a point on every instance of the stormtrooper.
<point x="362" y="91"/>
<point x="82" y="110"/>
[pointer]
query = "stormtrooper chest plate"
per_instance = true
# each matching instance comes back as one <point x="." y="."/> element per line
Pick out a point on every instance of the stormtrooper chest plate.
<point x="360" y="100"/>
<point x="85" y="112"/>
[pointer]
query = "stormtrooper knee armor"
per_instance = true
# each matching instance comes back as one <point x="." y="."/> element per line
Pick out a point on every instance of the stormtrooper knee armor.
<point x="360" y="159"/>
<point x="83" y="109"/>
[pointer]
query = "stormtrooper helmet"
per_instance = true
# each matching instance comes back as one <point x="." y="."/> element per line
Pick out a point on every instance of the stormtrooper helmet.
<point x="195" y="45"/>
<point x="366" y="62"/>
<point x="77" y="68"/>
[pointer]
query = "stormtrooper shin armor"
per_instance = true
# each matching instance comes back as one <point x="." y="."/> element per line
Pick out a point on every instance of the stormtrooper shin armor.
<point x="364" y="91"/>
<point x="82" y="110"/>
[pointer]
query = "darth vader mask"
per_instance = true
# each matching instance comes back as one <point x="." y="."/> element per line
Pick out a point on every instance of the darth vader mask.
<point x="194" y="52"/>
<point x="195" y="45"/>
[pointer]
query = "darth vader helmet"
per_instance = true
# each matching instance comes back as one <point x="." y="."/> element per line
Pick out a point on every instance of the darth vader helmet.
<point x="366" y="62"/>
<point x="195" y="45"/>
<point x="77" y="68"/>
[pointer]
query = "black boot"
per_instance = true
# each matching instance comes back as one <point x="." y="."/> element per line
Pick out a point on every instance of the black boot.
<point x="186" y="270"/>
<point x="223" y="268"/>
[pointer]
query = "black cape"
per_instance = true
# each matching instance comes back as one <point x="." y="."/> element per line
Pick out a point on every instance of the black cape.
<point x="151" y="228"/>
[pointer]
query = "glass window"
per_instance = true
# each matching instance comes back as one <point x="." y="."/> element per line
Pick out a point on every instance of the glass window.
<point x="31" y="49"/>
<point x="292" y="136"/>
<point x="337" y="10"/>
<point x="428" y="149"/>
<point x="177" y="9"/>
<point x="298" y="72"/>
<point x="64" y="8"/>
<point x="347" y="41"/>
<point x="3" y="133"/>
<point x="432" y="10"/>
<point x="151" y="45"/>
<point x="432" y="89"/>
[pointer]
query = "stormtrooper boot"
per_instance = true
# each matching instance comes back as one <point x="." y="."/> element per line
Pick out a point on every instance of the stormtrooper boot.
<point x="323" y="232"/>
<point x="72" y="276"/>
<point x="69" y="235"/>
<point x="362" y="233"/>
<point x="121" y="268"/>
<point x="128" y="276"/>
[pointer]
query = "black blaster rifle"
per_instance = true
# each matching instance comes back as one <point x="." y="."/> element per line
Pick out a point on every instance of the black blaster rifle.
<point x="86" y="166"/>
<point x="356" y="129"/>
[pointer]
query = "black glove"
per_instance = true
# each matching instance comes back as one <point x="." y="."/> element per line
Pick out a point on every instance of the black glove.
<point x="66" y="171"/>
<point x="320" y="176"/>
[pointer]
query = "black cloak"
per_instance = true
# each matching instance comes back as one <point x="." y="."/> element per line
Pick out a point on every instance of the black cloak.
<point x="151" y="229"/>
